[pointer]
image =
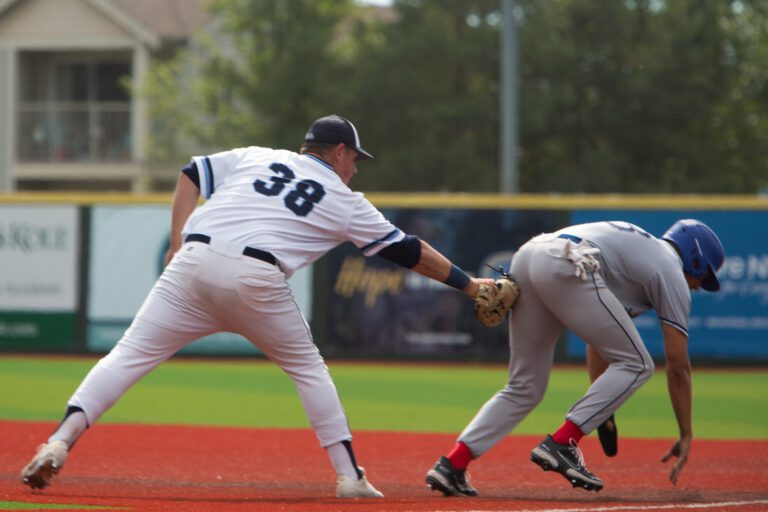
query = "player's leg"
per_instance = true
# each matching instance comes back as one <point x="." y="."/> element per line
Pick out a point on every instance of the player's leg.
<point x="533" y="334"/>
<point x="594" y="314"/>
<point x="604" y="324"/>
<point x="168" y="320"/>
<point x="607" y="432"/>
<point x="268" y="316"/>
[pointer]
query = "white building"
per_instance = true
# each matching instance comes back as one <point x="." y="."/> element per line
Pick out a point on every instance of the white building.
<point x="66" y="120"/>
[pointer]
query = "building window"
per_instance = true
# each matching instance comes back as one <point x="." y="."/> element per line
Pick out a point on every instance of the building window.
<point x="73" y="107"/>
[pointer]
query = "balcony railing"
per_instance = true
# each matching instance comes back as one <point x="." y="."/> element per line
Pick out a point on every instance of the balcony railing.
<point x="74" y="132"/>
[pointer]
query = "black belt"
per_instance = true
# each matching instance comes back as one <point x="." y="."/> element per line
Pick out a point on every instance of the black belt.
<point x="572" y="238"/>
<point x="248" y="251"/>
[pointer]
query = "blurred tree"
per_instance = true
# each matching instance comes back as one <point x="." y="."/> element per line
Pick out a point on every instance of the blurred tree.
<point x="616" y="95"/>
<point x="258" y="77"/>
<point x="428" y="82"/>
<point x="643" y="96"/>
<point x="420" y="86"/>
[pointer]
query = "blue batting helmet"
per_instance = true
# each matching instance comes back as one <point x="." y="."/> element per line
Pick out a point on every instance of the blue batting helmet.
<point x="700" y="249"/>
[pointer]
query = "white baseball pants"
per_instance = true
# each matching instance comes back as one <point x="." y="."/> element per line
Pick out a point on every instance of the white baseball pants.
<point x="209" y="288"/>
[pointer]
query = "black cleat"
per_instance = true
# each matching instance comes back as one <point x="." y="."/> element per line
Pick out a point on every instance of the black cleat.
<point x="450" y="481"/>
<point x="566" y="460"/>
<point x="609" y="437"/>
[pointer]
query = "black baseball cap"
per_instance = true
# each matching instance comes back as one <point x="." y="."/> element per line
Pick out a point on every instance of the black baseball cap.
<point x="335" y="129"/>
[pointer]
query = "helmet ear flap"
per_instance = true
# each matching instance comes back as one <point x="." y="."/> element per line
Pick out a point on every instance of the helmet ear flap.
<point x="695" y="264"/>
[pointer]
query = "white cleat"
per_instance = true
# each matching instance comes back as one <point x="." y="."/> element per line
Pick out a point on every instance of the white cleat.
<point x="44" y="465"/>
<point x="347" y="487"/>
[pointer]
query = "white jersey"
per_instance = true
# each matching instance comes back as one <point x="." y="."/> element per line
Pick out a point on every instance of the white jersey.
<point x="642" y="271"/>
<point x="293" y="206"/>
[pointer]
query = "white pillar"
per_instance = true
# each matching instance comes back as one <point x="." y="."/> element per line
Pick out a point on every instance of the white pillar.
<point x="140" y="117"/>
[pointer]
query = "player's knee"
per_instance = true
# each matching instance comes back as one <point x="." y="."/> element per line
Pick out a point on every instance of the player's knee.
<point x="527" y="394"/>
<point x="648" y="368"/>
<point x="644" y="370"/>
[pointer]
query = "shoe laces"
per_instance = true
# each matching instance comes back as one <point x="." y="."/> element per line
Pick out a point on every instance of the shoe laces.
<point x="574" y="448"/>
<point x="461" y="476"/>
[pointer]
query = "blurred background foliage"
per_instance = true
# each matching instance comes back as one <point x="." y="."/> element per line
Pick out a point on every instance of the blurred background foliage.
<point x="626" y="96"/>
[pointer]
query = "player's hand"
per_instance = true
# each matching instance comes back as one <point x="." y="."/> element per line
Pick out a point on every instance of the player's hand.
<point x="483" y="280"/>
<point x="493" y="301"/>
<point x="680" y="450"/>
<point x="474" y="286"/>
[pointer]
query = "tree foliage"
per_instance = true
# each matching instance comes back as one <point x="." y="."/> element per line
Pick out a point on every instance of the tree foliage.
<point x="615" y="95"/>
<point x="643" y="96"/>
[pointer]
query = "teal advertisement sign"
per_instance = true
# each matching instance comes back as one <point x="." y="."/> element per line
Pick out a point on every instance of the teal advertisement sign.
<point x="128" y="244"/>
<point x="127" y="248"/>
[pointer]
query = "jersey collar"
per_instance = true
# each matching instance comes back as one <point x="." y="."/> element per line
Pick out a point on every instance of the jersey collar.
<point x="674" y="253"/>
<point x="320" y="161"/>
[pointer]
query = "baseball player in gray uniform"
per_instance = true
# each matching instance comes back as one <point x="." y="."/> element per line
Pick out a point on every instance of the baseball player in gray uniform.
<point x="267" y="213"/>
<point x="592" y="279"/>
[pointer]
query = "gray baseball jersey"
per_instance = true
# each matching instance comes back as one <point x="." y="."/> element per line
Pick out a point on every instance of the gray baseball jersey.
<point x="642" y="271"/>
<point x="563" y="288"/>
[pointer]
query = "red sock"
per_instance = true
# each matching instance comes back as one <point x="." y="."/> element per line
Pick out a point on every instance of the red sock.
<point x="567" y="432"/>
<point x="460" y="456"/>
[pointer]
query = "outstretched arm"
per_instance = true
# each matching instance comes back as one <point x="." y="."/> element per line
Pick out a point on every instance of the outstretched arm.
<point x="184" y="202"/>
<point x="417" y="255"/>
<point x="436" y="266"/>
<point x="680" y="392"/>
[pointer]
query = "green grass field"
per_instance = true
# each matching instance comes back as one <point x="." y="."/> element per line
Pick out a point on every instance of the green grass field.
<point x="423" y="398"/>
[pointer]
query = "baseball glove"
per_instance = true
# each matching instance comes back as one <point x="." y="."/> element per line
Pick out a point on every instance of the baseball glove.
<point x="609" y="437"/>
<point x="493" y="302"/>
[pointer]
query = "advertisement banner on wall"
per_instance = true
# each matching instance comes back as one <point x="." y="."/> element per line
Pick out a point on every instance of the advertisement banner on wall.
<point x="731" y="324"/>
<point x="38" y="277"/>
<point x="128" y="244"/>
<point x="377" y="309"/>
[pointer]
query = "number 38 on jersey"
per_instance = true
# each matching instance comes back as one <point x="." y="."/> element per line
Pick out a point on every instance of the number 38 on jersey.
<point x="303" y="196"/>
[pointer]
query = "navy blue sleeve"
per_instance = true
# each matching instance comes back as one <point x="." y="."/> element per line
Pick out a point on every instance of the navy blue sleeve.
<point x="191" y="171"/>
<point x="406" y="252"/>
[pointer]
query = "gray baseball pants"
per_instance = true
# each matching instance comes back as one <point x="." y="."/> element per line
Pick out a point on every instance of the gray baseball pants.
<point x="553" y="299"/>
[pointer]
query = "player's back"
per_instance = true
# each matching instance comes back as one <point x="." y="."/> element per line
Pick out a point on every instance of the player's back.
<point x="636" y="266"/>
<point x="294" y="206"/>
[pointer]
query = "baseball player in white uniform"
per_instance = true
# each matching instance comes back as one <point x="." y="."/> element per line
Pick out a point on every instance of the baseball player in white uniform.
<point x="267" y="213"/>
<point x="592" y="279"/>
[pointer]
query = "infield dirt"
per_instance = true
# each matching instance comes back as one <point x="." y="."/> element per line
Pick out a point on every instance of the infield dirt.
<point x="184" y="468"/>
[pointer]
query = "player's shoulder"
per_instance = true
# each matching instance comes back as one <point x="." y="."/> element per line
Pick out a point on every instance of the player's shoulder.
<point x="262" y="156"/>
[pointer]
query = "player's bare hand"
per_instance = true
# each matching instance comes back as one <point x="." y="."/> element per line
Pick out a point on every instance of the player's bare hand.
<point x="474" y="286"/>
<point x="484" y="280"/>
<point x="680" y="450"/>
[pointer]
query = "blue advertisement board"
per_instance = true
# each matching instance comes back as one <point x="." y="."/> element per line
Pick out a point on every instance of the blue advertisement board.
<point x="731" y="324"/>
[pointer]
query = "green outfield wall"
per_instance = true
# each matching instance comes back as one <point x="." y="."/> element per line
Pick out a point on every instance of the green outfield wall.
<point x="74" y="269"/>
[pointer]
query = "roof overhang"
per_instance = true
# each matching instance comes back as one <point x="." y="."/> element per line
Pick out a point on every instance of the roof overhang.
<point x="116" y="14"/>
